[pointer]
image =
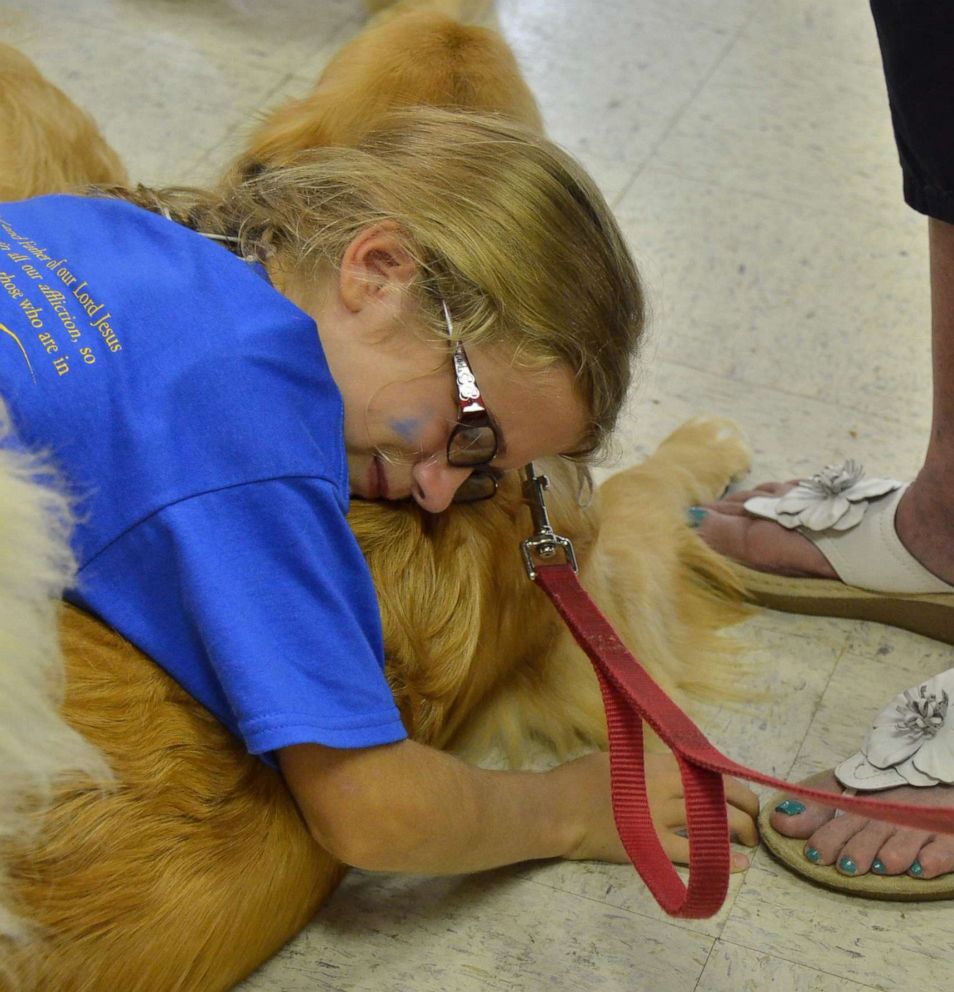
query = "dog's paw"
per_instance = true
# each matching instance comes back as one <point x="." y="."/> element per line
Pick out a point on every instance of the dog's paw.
<point x="713" y="445"/>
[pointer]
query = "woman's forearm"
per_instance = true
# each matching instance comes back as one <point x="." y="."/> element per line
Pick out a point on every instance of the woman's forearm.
<point x="409" y="808"/>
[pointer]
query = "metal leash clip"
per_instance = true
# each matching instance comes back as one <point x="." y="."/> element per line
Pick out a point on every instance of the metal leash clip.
<point x="544" y="544"/>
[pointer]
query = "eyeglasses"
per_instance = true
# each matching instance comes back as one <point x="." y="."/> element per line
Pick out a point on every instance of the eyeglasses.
<point x="473" y="441"/>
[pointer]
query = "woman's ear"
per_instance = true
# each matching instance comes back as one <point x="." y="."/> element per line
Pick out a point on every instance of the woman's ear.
<point x="374" y="265"/>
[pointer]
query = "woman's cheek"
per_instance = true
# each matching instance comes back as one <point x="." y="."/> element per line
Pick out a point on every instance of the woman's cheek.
<point x="408" y="429"/>
<point x="425" y="431"/>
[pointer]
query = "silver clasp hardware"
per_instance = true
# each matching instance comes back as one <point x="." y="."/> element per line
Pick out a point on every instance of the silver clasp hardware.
<point x="544" y="544"/>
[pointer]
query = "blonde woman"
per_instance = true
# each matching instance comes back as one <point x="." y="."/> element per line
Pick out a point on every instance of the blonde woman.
<point x="216" y="375"/>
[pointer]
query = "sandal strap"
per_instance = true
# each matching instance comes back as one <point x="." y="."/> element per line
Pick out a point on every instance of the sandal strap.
<point x="871" y="556"/>
<point x="911" y="742"/>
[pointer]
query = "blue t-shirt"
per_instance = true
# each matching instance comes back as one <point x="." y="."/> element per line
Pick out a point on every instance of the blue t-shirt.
<point x="190" y="407"/>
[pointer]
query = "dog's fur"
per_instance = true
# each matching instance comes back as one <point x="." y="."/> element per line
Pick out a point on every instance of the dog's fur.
<point x="49" y="145"/>
<point x="195" y="866"/>
<point x="411" y="55"/>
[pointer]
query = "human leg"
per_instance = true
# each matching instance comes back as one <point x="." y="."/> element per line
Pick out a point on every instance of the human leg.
<point x="925" y="515"/>
<point x="849" y="851"/>
<point x="925" y="519"/>
<point x="915" y="42"/>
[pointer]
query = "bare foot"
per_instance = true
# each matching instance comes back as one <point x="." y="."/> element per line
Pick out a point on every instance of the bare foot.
<point x="761" y="544"/>
<point x="857" y="845"/>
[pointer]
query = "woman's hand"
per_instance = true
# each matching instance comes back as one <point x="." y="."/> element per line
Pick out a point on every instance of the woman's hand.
<point x="589" y="779"/>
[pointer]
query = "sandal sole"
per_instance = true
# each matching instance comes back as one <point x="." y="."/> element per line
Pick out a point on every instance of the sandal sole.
<point x="931" y="615"/>
<point x="790" y="852"/>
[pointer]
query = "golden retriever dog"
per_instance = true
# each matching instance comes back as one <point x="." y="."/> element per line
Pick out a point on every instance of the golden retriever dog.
<point x="187" y="864"/>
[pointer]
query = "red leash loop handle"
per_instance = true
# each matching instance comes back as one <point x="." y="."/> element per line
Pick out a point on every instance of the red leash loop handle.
<point x="628" y="692"/>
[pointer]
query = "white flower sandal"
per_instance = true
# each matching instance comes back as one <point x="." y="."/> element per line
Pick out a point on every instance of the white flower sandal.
<point x="851" y="521"/>
<point x="910" y="743"/>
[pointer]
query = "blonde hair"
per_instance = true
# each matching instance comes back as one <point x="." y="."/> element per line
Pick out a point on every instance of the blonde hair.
<point x="504" y="226"/>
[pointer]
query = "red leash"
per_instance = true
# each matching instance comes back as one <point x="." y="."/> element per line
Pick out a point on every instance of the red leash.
<point x="630" y="696"/>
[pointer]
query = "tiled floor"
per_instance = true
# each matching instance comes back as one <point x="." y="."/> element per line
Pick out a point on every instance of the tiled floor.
<point x="745" y="145"/>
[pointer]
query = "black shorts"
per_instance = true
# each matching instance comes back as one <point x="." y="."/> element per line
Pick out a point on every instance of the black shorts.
<point x="917" y="50"/>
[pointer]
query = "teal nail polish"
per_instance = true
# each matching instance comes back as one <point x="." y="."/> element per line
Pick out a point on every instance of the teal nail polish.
<point x="916" y="869"/>
<point x="813" y="854"/>
<point x="847" y="865"/>
<point x="696" y="515"/>
<point x="877" y="866"/>
<point x="790" y="807"/>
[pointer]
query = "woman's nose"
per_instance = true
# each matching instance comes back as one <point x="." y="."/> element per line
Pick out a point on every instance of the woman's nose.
<point x="435" y="483"/>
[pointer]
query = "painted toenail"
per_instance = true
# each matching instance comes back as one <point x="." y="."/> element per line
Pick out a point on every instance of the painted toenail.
<point x="813" y="854"/>
<point x="790" y="807"/>
<point x="846" y="865"/>
<point x="916" y="869"/>
<point x="878" y="867"/>
<point x="696" y="515"/>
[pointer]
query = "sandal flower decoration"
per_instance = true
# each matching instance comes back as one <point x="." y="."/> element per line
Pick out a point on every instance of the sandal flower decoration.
<point x="910" y="743"/>
<point x="834" y="498"/>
